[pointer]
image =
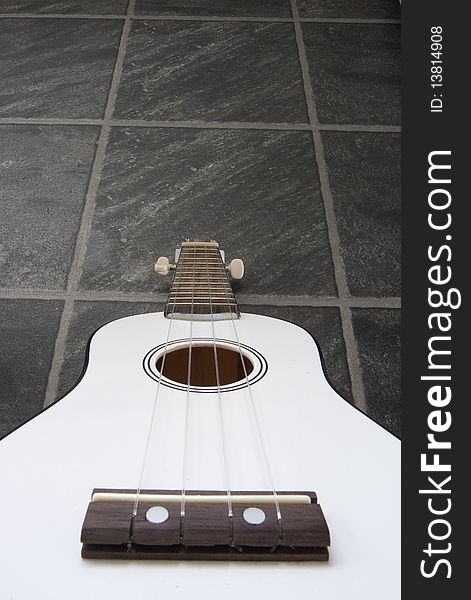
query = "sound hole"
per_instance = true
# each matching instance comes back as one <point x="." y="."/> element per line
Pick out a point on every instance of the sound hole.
<point x="203" y="369"/>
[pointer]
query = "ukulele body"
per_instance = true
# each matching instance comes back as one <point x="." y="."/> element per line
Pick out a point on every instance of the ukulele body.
<point x="95" y="437"/>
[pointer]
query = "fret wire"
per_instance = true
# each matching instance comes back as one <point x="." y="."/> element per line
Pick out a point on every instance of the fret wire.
<point x="198" y="255"/>
<point x="201" y="263"/>
<point x="207" y="298"/>
<point x="215" y="290"/>
<point x="200" y="285"/>
<point x="200" y="294"/>
<point x="205" y="295"/>
<point x="177" y="300"/>
<point x="196" y="267"/>
<point x="211" y="271"/>
<point x="182" y="298"/>
<point x="201" y="259"/>
<point x="200" y="304"/>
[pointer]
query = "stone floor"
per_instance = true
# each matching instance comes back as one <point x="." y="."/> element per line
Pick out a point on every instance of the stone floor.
<point x="271" y="125"/>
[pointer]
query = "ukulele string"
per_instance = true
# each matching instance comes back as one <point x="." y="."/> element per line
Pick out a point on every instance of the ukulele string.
<point x="151" y="423"/>
<point x="187" y="407"/>
<point x="230" y="513"/>
<point x="257" y="423"/>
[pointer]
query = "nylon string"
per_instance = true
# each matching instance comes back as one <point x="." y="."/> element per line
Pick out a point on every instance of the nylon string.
<point x="257" y="422"/>
<point x="187" y="408"/>
<point x="230" y="513"/>
<point x="151" y="424"/>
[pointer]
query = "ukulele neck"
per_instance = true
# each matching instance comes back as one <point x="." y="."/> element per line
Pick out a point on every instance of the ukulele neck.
<point x="200" y="288"/>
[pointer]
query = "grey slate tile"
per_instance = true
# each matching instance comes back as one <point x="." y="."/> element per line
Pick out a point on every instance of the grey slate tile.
<point x="211" y="71"/>
<point x="28" y="330"/>
<point x="215" y="8"/>
<point x="44" y="172"/>
<point x="364" y="173"/>
<point x="349" y="9"/>
<point x="64" y="7"/>
<point x="378" y="335"/>
<point x="256" y="192"/>
<point x="324" y="324"/>
<point x="355" y="72"/>
<point x="56" y="67"/>
<point x="86" y="319"/>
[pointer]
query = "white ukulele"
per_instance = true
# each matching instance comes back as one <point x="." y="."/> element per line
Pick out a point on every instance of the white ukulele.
<point x="202" y="455"/>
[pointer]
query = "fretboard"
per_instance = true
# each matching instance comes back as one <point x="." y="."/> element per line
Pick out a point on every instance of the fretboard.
<point x="200" y="287"/>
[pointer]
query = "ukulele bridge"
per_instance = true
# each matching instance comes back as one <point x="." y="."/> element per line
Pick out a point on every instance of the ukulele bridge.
<point x="204" y="525"/>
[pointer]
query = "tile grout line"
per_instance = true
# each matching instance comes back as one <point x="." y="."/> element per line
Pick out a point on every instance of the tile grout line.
<point x="31" y="294"/>
<point x="87" y="215"/>
<point x="341" y="20"/>
<point x="138" y="123"/>
<point x="350" y="341"/>
<point x="228" y="19"/>
<point x="49" y="121"/>
<point x="317" y="301"/>
<point x="210" y="125"/>
<point x="212" y="19"/>
<point x="361" y="128"/>
<point x="158" y="297"/>
<point x="96" y="17"/>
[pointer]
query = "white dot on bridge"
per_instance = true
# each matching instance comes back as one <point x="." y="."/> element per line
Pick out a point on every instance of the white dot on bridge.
<point x="254" y="516"/>
<point x="157" y="514"/>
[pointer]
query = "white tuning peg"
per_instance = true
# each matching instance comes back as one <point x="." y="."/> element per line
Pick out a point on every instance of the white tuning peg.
<point x="163" y="266"/>
<point x="236" y="268"/>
